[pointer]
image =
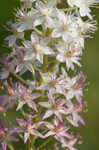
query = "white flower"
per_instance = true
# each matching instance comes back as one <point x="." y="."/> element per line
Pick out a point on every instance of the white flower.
<point x="69" y="54"/>
<point x="16" y="35"/>
<point x="73" y="109"/>
<point x="29" y="128"/>
<point x="46" y="13"/>
<point x="22" y="65"/>
<point x="70" y="143"/>
<point x="25" y="19"/>
<point x="84" y="6"/>
<point x="65" y="27"/>
<point x="26" y="96"/>
<point x="54" y="107"/>
<point x="85" y="27"/>
<point x="36" y="48"/>
<point x="52" y="83"/>
<point x="75" y="87"/>
<point x="57" y="129"/>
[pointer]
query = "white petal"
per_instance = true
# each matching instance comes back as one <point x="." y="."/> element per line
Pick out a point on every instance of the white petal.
<point x="45" y="104"/>
<point x="49" y="134"/>
<point x="20" y="105"/>
<point x="39" y="57"/>
<point x="48" y="114"/>
<point x="26" y="136"/>
<point x="60" y="58"/>
<point x="12" y="40"/>
<point x="38" y="21"/>
<point x="36" y="133"/>
<point x="56" y="33"/>
<point x="32" y="105"/>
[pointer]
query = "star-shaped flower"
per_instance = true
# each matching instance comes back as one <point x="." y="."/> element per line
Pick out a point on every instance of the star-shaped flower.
<point x="69" y="54"/>
<point x="37" y="48"/>
<point x="26" y="96"/>
<point x="54" y="107"/>
<point x="29" y="128"/>
<point x="57" y="129"/>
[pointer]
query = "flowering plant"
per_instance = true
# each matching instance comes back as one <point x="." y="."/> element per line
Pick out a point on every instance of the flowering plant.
<point x="48" y="93"/>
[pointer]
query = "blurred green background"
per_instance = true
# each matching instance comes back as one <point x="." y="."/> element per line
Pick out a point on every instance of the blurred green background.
<point x="90" y="61"/>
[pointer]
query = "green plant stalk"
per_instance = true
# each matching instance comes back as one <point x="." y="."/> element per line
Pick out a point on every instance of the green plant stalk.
<point x="38" y="31"/>
<point x="6" y="119"/>
<point x="10" y="147"/>
<point x="45" y="62"/>
<point x="69" y="9"/>
<point x="20" y="79"/>
<point x="33" y="138"/>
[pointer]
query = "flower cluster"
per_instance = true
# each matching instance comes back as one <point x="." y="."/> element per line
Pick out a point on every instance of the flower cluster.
<point x="46" y="43"/>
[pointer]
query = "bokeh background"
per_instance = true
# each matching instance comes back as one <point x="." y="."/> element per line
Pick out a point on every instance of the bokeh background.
<point x="90" y="61"/>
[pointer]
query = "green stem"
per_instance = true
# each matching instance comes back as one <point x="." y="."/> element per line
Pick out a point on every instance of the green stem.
<point x="20" y="79"/>
<point x="54" y="66"/>
<point x="44" y="66"/>
<point x="33" y="138"/>
<point x="6" y="119"/>
<point x="23" y="113"/>
<point x="69" y="9"/>
<point x="10" y="146"/>
<point x="28" y="147"/>
<point x="45" y="143"/>
<point x="38" y="31"/>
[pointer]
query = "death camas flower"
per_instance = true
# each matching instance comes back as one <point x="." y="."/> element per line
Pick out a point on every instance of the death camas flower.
<point x="29" y="128"/>
<point x="84" y="6"/>
<point x="69" y="54"/>
<point x="16" y="35"/>
<point x="65" y="27"/>
<point x="47" y="41"/>
<point x="25" y="96"/>
<point x="45" y="13"/>
<point x="55" y="107"/>
<point x="36" y="48"/>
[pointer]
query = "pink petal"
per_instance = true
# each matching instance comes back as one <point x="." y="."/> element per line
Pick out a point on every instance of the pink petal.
<point x="49" y="134"/>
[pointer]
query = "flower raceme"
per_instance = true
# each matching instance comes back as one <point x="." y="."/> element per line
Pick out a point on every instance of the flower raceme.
<point x="46" y="42"/>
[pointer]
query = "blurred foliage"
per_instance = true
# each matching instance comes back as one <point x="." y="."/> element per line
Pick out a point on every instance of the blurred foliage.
<point x="90" y="67"/>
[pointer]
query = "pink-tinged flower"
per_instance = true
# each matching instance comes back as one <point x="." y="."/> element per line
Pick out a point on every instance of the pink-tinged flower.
<point x="73" y="109"/>
<point x="70" y="143"/>
<point x="8" y="66"/>
<point x="6" y="134"/>
<point x="57" y="129"/>
<point x="52" y="83"/>
<point x="23" y="65"/>
<point x="16" y="35"/>
<point x="29" y="128"/>
<point x="54" y="107"/>
<point x="68" y="54"/>
<point x="75" y="87"/>
<point x="26" y="96"/>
